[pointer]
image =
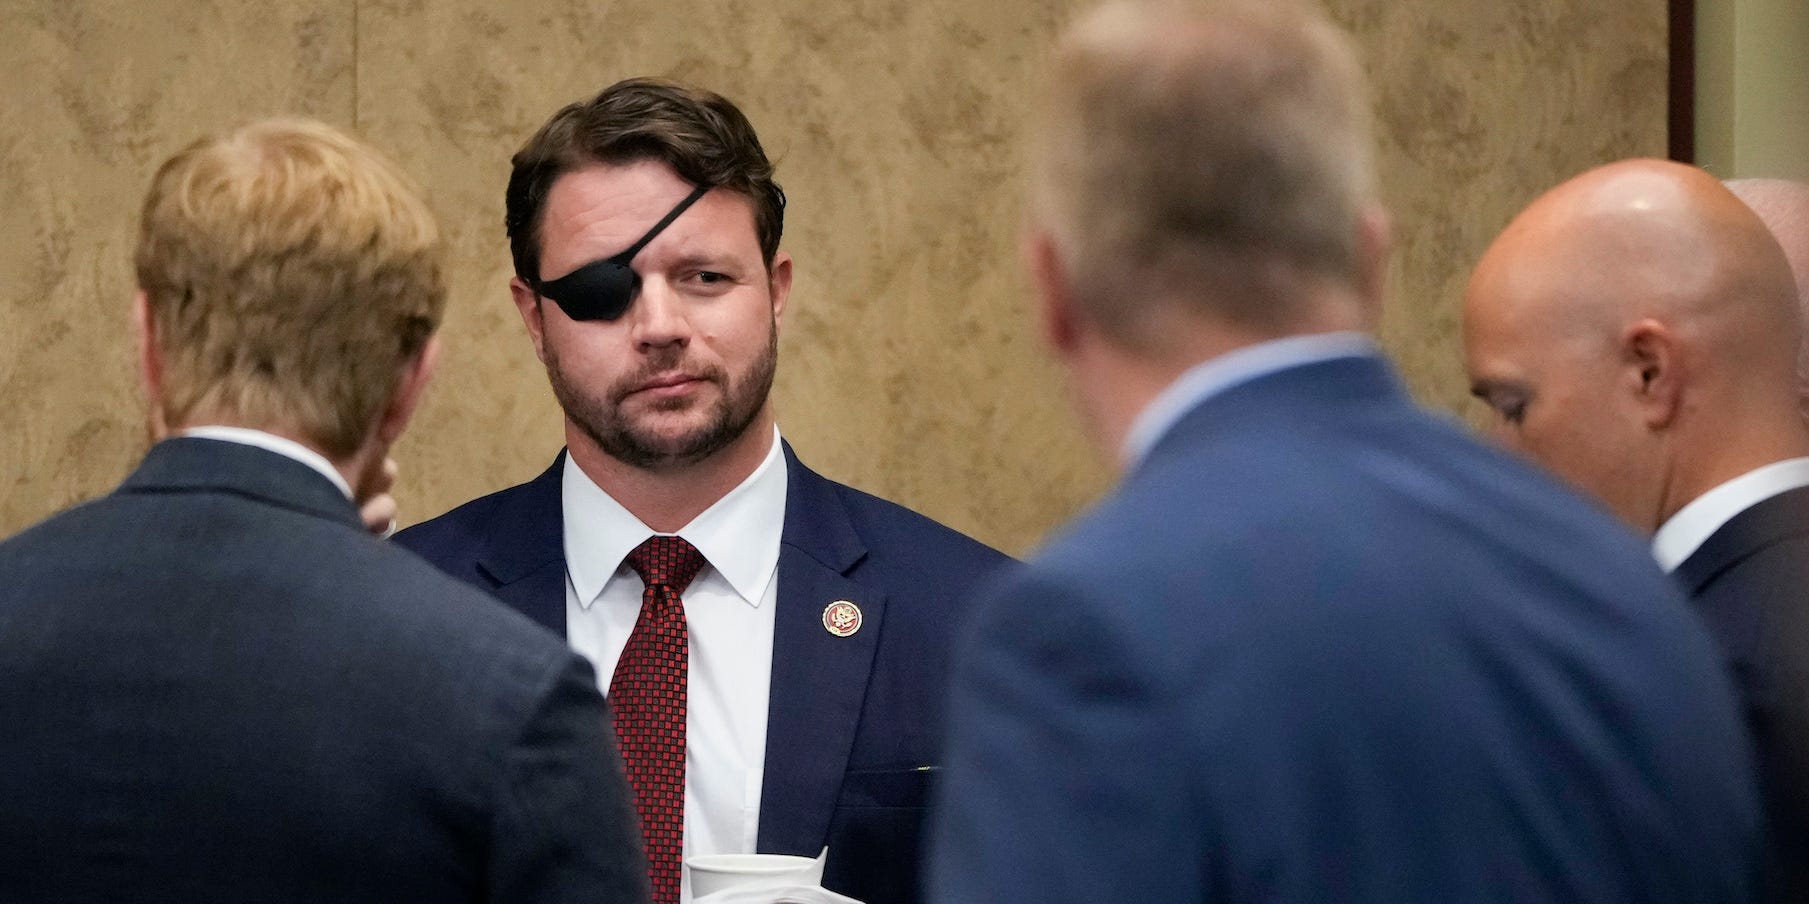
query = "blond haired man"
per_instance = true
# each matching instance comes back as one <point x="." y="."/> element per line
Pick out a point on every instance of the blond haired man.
<point x="216" y="686"/>
<point x="1318" y="646"/>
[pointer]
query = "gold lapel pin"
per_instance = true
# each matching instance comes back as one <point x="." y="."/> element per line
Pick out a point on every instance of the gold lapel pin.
<point x="842" y="618"/>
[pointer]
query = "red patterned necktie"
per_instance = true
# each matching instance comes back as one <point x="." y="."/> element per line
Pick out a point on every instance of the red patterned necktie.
<point x="647" y="696"/>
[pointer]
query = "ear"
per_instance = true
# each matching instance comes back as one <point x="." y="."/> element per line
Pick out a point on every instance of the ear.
<point x="527" y="304"/>
<point x="1054" y="295"/>
<point x="411" y="384"/>
<point x="778" y="282"/>
<point x="1654" y="370"/>
<point x="150" y="362"/>
<point x="1375" y="240"/>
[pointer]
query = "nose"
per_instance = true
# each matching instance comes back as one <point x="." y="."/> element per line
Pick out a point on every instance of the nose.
<point x="659" y="316"/>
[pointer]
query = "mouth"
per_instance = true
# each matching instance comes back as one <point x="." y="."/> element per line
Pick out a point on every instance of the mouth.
<point x="667" y="385"/>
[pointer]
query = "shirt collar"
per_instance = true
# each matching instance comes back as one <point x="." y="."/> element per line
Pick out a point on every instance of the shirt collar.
<point x="738" y="534"/>
<point x="1686" y="531"/>
<point x="288" y="448"/>
<point x="1217" y="374"/>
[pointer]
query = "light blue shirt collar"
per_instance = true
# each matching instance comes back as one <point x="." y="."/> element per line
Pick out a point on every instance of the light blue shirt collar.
<point x="1215" y="375"/>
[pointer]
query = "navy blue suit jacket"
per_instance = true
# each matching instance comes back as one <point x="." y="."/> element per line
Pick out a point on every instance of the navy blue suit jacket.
<point x="854" y="723"/>
<point x="1750" y="581"/>
<point x="215" y="685"/>
<point x="1320" y="646"/>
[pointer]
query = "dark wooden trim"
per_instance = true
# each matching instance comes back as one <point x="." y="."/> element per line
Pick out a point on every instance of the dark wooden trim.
<point x="1681" y="123"/>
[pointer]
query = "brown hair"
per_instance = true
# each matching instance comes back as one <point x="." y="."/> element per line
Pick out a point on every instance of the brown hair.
<point x="290" y="273"/>
<point x="1216" y="151"/>
<point x="700" y="134"/>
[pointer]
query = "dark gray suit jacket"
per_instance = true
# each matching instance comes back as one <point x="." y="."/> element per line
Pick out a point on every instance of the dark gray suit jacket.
<point x="1750" y="581"/>
<point x="215" y="686"/>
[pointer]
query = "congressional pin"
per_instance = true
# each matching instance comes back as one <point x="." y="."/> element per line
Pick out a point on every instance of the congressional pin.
<point x="842" y="618"/>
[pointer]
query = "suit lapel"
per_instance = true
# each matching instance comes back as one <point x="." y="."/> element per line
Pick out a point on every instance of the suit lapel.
<point x="524" y="552"/>
<point x="819" y="680"/>
<point x="1769" y="521"/>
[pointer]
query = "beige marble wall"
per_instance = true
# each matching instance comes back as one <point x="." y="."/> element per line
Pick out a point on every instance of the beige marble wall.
<point x="93" y="96"/>
<point x="908" y="366"/>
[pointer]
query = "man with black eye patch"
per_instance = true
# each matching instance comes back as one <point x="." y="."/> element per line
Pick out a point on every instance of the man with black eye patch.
<point x="773" y="643"/>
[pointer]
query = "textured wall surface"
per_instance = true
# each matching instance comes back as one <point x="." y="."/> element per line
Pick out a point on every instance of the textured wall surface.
<point x="908" y="364"/>
<point x="1481" y="107"/>
<point x="1752" y="88"/>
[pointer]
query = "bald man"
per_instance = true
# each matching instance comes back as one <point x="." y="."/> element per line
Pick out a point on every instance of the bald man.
<point x="1636" y="330"/>
<point x="1783" y="205"/>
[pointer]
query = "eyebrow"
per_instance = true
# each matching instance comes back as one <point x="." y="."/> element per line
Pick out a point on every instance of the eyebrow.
<point x="706" y="260"/>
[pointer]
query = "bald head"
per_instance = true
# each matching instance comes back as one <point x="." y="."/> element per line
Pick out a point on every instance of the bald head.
<point x="1640" y="238"/>
<point x="1783" y="205"/>
<point x="1632" y="321"/>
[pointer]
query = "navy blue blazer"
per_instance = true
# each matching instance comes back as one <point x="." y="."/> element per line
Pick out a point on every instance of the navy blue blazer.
<point x="854" y="723"/>
<point x="215" y="685"/>
<point x="1750" y="581"/>
<point x="1320" y="646"/>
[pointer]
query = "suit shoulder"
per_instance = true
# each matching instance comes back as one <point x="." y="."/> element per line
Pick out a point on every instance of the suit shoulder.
<point x="1757" y="598"/>
<point x="52" y="529"/>
<point x="372" y="605"/>
<point x="1259" y="519"/>
<point x="449" y="536"/>
<point x="1780" y="566"/>
<point x="438" y="602"/>
<point x="429" y="627"/>
<point x="1776" y="566"/>
<point x="890" y="529"/>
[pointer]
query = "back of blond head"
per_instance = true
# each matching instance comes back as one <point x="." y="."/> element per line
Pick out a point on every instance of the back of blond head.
<point x="1210" y="153"/>
<point x="290" y="272"/>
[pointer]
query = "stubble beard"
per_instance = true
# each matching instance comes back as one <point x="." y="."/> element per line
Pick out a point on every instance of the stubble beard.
<point x="601" y="417"/>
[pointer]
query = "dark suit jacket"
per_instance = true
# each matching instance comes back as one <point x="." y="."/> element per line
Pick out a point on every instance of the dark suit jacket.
<point x="854" y="724"/>
<point x="216" y="686"/>
<point x="1750" y="581"/>
<point x="1319" y="646"/>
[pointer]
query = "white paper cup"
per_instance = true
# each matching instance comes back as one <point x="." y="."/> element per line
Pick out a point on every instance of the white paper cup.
<point x="714" y="872"/>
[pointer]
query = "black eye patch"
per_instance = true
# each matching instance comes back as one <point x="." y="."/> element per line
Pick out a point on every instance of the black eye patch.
<point x="605" y="289"/>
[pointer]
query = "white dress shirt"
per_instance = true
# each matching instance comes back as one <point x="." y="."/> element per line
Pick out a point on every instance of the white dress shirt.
<point x="1686" y="531"/>
<point x="1215" y="375"/>
<point x="729" y="615"/>
<point x="287" y="448"/>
